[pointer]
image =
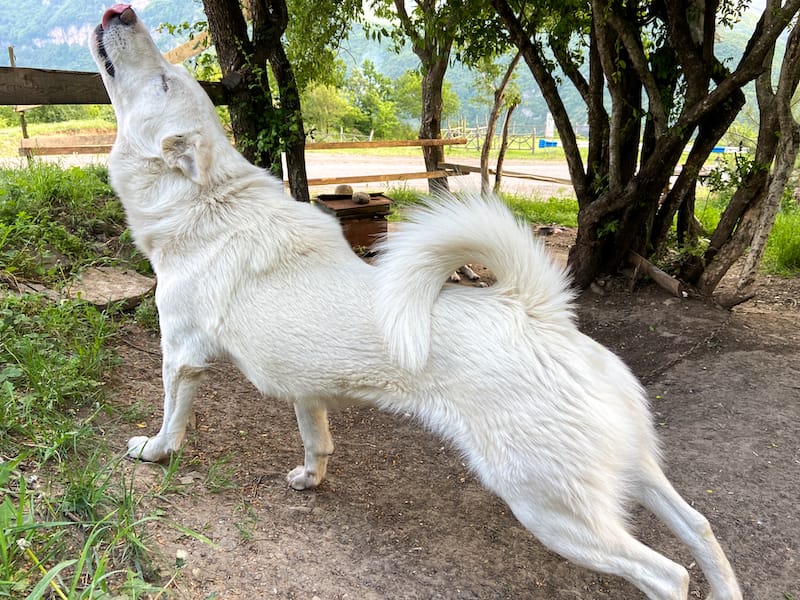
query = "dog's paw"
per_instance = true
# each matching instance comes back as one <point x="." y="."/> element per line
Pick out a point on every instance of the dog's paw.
<point x="144" y="448"/>
<point x="301" y="479"/>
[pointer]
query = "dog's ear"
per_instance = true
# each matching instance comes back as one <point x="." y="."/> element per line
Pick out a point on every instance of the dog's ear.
<point x="186" y="153"/>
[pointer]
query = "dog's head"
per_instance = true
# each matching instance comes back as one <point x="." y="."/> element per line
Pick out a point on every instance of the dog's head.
<point x="160" y="108"/>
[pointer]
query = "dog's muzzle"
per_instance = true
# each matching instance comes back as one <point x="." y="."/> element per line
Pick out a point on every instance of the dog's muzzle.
<point x="123" y="13"/>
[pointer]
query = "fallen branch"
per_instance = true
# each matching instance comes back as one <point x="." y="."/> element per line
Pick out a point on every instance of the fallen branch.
<point x="664" y="280"/>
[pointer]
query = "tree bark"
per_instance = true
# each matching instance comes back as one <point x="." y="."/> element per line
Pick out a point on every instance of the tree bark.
<point x="431" y="119"/>
<point x="754" y="214"/>
<point x="434" y="54"/>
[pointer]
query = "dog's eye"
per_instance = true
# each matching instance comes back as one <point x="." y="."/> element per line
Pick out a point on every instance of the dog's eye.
<point x="164" y="83"/>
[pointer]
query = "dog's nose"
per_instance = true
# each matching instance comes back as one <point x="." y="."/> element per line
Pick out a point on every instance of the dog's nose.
<point x="123" y="11"/>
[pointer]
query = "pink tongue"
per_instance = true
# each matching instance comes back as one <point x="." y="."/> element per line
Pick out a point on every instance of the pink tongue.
<point x="117" y="9"/>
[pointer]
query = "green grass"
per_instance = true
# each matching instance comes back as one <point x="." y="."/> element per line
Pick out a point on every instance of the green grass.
<point x="556" y="210"/>
<point x="782" y="255"/>
<point x="69" y="523"/>
<point x="55" y="221"/>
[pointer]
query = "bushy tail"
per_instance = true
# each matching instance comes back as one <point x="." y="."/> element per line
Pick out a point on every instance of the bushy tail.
<point x="446" y="233"/>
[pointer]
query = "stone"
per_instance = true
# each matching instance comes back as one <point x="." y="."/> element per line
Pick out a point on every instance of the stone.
<point x="105" y="286"/>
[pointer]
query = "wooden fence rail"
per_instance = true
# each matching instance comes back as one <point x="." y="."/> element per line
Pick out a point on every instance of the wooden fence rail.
<point x="21" y="85"/>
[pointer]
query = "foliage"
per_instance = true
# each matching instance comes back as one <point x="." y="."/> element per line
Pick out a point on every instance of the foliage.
<point x="8" y="117"/>
<point x="372" y="94"/>
<point x="51" y="219"/>
<point x="326" y="109"/>
<point x="56" y="113"/>
<point x="407" y="95"/>
<point x="314" y="33"/>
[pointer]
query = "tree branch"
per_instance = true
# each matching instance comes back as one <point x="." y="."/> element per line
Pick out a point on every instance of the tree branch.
<point x="633" y="44"/>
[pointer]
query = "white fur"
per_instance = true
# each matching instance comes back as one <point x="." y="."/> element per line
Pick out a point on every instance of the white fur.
<point x="550" y="420"/>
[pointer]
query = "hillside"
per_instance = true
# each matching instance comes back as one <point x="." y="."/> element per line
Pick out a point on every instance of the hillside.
<point x="53" y="34"/>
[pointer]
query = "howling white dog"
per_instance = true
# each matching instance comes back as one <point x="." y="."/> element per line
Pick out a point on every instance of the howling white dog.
<point x="551" y="421"/>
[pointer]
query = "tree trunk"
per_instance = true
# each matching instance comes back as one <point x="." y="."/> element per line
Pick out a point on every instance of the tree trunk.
<point x="787" y="154"/>
<point x="433" y="73"/>
<point x="245" y="82"/>
<point x="501" y="155"/>
<point x="259" y="128"/>
<point x="753" y="214"/>
<point x="294" y="137"/>
<point x="270" y="19"/>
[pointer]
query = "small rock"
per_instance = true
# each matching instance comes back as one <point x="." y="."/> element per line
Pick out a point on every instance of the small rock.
<point x="104" y="286"/>
<point x="361" y="198"/>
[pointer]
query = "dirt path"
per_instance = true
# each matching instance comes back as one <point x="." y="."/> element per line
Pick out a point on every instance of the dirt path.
<point x="401" y="517"/>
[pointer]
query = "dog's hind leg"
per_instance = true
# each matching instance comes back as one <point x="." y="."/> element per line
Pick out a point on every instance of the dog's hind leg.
<point x="692" y="528"/>
<point x="313" y="424"/>
<point x="180" y="385"/>
<point x="599" y="540"/>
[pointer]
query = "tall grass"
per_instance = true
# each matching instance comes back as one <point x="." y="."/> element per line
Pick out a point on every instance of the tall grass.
<point x="782" y="255"/>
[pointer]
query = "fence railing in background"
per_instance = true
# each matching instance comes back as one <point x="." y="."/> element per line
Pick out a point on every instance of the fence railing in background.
<point x="21" y="85"/>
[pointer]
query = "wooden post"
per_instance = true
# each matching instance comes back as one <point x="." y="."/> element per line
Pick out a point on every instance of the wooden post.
<point x="13" y="62"/>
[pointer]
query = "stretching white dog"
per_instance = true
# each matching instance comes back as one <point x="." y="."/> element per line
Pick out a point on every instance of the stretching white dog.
<point x="551" y="421"/>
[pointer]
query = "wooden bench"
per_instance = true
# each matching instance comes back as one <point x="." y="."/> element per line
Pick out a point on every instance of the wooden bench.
<point x="49" y="145"/>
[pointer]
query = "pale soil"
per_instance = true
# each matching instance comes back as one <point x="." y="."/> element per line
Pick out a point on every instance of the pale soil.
<point x="401" y="517"/>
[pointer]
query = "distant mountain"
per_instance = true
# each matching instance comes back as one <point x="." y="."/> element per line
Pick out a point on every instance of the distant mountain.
<point x="53" y="34"/>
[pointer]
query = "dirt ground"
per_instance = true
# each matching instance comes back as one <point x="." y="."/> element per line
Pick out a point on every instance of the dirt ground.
<point x="401" y="517"/>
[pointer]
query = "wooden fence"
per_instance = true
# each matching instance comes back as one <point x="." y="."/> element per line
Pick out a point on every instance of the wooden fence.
<point x="26" y="86"/>
<point x="19" y="85"/>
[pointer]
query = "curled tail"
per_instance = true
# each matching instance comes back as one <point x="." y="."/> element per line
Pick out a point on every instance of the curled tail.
<point x="415" y="262"/>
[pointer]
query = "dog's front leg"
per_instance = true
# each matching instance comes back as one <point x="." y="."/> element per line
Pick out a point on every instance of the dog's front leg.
<point x="318" y="444"/>
<point x="180" y="385"/>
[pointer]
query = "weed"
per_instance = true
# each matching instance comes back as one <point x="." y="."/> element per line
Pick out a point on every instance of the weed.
<point x="146" y="314"/>
<point x="249" y="520"/>
<point x="219" y="478"/>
